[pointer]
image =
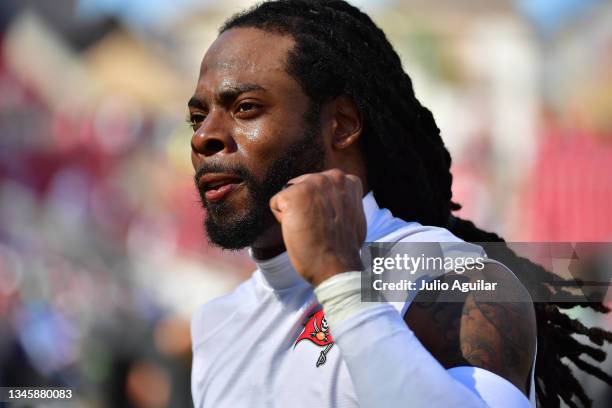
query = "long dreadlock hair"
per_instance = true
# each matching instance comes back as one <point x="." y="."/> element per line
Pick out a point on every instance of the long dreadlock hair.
<point x="340" y="50"/>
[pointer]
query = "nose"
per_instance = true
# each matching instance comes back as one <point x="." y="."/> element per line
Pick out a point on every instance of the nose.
<point x="212" y="137"/>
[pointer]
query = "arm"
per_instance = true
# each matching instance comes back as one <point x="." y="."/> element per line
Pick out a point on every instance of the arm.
<point x="390" y="366"/>
<point x="323" y="227"/>
<point x="492" y="330"/>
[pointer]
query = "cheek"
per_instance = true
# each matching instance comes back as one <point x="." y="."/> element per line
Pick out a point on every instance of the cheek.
<point x="260" y="146"/>
<point x="252" y="135"/>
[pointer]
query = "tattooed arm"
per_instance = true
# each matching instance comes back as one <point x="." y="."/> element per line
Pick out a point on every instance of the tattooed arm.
<point x="494" y="330"/>
<point x="391" y="367"/>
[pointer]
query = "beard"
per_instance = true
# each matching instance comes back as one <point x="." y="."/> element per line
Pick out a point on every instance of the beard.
<point x="229" y="231"/>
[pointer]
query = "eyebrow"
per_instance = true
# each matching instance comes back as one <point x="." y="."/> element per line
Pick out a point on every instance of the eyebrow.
<point x="226" y="94"/>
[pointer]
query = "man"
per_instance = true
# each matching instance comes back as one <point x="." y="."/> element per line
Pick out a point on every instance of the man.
<point x="305" y="129"/>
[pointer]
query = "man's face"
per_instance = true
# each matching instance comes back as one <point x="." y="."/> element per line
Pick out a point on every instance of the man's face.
<point x="254" y="130"/>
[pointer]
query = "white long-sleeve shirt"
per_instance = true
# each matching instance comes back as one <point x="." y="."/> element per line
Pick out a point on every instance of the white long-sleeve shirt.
<point x="267" y="344"/>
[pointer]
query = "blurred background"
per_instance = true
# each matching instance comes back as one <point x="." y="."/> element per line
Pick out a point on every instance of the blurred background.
<point x="102" y="255"/>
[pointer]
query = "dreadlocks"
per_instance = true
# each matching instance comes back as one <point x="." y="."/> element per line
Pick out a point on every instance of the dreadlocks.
<point x="340" y="51"/>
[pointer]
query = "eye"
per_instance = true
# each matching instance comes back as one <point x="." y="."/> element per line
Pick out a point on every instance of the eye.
<point x="195" y="120"/>
<point x="247" y="108"/>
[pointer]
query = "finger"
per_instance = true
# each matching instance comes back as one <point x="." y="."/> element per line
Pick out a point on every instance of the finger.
<point x="356" y="188"/>
<point x="277" y="205"/>
<point x="334" y="194"/>
<point x="336" y="175"/>
<point x="280" y="203"/>
<point x="355" y="185"/>
<point x="301" y="179"/>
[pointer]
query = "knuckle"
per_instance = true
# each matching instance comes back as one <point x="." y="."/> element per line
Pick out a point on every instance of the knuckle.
<point x="319" y="178"/>
<point x="308" y="187"/>
<point x="277" y="197"/>
<point x="354" y="179"/>
<point x="337" y="176"/>
<point x="354" y="183"/>
<point x="338" y="172"/>
<point x="321" y="181"/>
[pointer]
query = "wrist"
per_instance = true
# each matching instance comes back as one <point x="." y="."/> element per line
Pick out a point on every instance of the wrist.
<point x="333" y="266"/>
<point x="340" y="297"/>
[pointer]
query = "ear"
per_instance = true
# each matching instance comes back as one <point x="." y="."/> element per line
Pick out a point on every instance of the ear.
<point x="346" y="122"/>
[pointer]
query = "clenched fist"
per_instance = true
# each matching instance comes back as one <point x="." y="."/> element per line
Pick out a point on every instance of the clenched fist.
<point x="323" y="223"/>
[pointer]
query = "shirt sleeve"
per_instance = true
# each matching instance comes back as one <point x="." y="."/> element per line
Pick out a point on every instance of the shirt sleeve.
<point x="390" y="367"/>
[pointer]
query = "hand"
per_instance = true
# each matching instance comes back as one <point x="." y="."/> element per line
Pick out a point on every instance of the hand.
<point x="323" y="223"/>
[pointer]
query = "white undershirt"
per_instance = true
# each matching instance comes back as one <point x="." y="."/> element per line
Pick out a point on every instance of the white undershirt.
<point x="245" y="352"/>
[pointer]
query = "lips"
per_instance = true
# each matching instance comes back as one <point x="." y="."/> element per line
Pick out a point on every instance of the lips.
<point x="217" y="186"/>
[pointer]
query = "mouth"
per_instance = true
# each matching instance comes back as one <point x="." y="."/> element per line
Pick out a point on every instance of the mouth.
<point x="218" y="186"/>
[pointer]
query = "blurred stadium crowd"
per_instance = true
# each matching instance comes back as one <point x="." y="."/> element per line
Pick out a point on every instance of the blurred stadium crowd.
<point x="102" y="254"/>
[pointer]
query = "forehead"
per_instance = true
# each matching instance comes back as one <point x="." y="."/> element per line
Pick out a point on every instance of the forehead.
<point x="245" y="55"/>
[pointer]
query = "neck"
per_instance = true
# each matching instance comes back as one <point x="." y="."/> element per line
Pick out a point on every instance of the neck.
<point x="269" y="244"/>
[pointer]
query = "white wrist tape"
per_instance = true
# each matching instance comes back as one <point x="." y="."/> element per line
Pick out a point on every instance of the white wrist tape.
<point x="340" y="297"/>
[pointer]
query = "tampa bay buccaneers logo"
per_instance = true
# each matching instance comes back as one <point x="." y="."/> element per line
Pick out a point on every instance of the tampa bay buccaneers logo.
<point x="316" y="330"/>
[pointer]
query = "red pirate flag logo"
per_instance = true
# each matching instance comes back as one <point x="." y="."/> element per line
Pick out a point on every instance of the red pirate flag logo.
<point x="316" y="330"/>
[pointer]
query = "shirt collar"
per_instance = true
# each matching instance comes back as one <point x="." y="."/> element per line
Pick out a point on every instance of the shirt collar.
<point x="278" y="272"/>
